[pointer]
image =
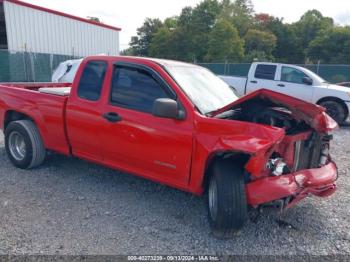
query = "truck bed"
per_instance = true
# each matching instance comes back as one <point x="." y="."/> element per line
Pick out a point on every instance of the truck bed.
<point x="45" y="102"/>
<point x="60" y="89"/>
<point x="36" y="86"/>
<point x="237" y="82"/>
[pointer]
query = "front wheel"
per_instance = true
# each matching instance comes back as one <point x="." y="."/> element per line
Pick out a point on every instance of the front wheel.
<point x="226" y="199"/>
<point x="24" y="145"/>
<point x="335" y="110"/>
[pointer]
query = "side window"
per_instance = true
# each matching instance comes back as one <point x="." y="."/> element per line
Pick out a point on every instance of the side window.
<point x="135" y="89"/>
<point x="91" y="80"/>
<point x="265" y="72"/>
<point x="292" y="75"/>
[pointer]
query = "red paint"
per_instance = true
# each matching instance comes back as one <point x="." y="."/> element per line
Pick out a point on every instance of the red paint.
<point x="172" y="152"/>
<point x="46" y="110"/>
<point x="315" y="181"/>
<point x="47" y="10"/>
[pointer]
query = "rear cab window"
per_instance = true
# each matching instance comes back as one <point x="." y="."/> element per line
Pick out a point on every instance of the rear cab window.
<point x="91" y="80"/>
<point x="267" y="72"/>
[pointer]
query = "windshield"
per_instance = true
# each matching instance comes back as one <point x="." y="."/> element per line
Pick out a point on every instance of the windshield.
<point x="314" y="76"/>
<point x="206" y="91"/>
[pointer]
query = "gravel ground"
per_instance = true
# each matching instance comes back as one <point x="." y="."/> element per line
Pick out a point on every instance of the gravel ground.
<point x="69" y="206"/>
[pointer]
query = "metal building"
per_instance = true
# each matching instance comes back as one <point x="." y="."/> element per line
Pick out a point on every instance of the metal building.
<point x="29" y="28"/>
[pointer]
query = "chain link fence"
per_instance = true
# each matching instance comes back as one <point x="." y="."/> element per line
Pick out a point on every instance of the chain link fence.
<point x="28" y="67"/>
<point x="332" y="73"/>
<point x="35" y="67"/>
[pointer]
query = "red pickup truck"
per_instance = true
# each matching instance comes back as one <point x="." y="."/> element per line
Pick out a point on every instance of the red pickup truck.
<point x="180" y="125"/>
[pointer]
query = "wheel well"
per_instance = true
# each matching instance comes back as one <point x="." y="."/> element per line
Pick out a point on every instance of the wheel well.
<point x="11" y="116"/>
<point x="238" y="157"/>
<point x="335" y="99"/>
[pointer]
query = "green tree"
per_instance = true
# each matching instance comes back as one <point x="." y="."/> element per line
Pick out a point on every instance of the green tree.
<point x="259" y="44"/>
<point x="181" y="45"/>
<point x="239" y="12"/>
<point x="185" y="17"/>
<point x="310" y="25"/>
<point x="128" y="52"/>
<point x="206" y="33"/>
<point x="202" y="20"/>
<point x="140" y="43"/>
<point x="288" y="48"/>
<point x="224" y="43"/>
<point x="161" y="45"/>
<point x="333" y="46"/>
<point x="185" y="37"/>
<point x="188" y="40"/>
<point x="171" y="22"/>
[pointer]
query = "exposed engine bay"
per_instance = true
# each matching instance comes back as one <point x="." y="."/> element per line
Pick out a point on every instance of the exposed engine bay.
<point x="295" y="164"/>
<point x="302" y="148"/>
<point x="262" y="114"/>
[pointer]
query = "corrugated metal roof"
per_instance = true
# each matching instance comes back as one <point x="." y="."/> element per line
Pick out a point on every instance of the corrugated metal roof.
<point x="38" y="31"/>
<point x="62" y="14"/>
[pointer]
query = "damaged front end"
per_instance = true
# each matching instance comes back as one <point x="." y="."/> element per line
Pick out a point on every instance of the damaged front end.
<point x="296" y="165"/>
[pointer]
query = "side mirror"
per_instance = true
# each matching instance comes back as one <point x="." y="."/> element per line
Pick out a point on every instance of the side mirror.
<point x="167" y="108"/>
<point x="307" y="80"/>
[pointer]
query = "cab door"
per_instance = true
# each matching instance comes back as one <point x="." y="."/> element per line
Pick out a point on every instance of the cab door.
<point x="135" y="140"/>
<point x="263" y="76"/>
<point x="292" y="82"/>
<point x="83" y="110"/>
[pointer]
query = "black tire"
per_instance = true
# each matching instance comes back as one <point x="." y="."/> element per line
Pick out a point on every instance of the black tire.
<point x="24" y="145"/>
<point x="227" y="212"/>
<point x="335" y="110"/>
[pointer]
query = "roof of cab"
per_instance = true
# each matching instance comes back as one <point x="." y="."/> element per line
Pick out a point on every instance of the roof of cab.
<point x="162" y="62"/>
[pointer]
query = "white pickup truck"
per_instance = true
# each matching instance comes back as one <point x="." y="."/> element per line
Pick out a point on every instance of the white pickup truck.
<point x="294" y="81"/>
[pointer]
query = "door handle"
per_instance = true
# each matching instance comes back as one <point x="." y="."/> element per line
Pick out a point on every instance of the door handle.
<point x="281" y="85"/>
<point x="254" y="82"/>
<point x="112" y="117"/>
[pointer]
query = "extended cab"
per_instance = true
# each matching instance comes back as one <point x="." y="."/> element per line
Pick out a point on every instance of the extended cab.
<point x="297" y="82"/>
<point x="180" y="125"/>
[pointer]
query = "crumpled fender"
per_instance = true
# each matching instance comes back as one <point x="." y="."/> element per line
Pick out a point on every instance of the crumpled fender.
<point x="219" y="134"/>
<point x="213" y="136"/>
<point x="259" y="141"/>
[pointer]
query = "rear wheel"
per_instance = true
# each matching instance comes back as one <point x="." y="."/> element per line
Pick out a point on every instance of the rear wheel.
<point x="24" y="145"/>
<point x="226" y="199"/>
<point x="335" y="110"/>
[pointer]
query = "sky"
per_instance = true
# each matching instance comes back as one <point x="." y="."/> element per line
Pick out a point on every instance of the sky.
<point x="130" y="14"/>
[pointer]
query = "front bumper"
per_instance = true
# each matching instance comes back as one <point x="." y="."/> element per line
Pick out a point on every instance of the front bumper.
<point x="298" y="185"/>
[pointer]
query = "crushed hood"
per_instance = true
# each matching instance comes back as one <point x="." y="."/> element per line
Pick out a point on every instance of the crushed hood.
<point x="312" y="114"/>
